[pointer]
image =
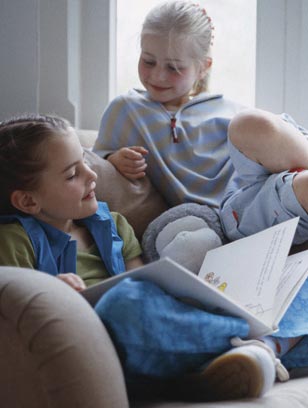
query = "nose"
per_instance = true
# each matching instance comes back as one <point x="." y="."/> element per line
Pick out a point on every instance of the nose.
<point x="91" y="175"/>
<point x="159" y="73"/>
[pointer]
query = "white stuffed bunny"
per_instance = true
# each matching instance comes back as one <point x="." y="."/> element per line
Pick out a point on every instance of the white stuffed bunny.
<point x="183" y="233"/>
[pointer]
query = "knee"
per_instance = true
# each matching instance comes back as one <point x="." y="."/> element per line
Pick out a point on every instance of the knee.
<point x="300" y="187"/>
<point x="251" y="126"/>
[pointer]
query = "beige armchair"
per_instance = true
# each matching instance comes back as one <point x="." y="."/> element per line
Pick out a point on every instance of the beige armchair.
<point x="54" y="350"/>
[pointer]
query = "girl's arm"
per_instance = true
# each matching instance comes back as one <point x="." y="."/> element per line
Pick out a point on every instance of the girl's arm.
<point x="16" y="250"/>
<point x="112" y="144"/>
<point x="131" y="250"/>
<point x="15" y="247"/>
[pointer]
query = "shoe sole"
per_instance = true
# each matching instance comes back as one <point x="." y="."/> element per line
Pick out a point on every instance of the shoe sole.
<point x="233" y="376"/>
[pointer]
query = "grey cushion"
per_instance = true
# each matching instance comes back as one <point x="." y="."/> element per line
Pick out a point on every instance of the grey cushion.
<point x="137" y="200"/>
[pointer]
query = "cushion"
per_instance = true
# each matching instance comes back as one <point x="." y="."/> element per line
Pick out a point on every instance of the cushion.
<point x="137" y="200"/>
<point x="87" y="137"/>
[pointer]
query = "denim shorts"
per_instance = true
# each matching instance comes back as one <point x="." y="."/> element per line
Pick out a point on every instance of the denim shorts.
<point x="265" y="199"/>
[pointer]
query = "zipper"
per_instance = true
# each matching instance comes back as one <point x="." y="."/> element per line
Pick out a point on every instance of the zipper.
<point x="174" y="135"/>
<point x="173" y="129"/>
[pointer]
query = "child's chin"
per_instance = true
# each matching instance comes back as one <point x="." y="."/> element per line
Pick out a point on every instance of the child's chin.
<point x="95" y="206"/>
<point x="92" y="207"/>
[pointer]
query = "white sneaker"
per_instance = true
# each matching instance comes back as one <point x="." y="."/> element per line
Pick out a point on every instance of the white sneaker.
<point x="281" y="372"/>
<point x="247" y="371"/>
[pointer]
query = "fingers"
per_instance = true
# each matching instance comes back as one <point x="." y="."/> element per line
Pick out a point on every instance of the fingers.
<point x="139" y="149"/>
<point x="133" y="152"/>
<point x="130" y="161"/>
<point x="134" y="176"/>
<point x="133" y="169"/>
<point x="72" y="280"/>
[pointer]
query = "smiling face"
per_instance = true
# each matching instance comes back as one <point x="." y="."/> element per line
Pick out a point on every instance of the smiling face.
<point x="66" y="187"/>
<point x="167" y="73"/>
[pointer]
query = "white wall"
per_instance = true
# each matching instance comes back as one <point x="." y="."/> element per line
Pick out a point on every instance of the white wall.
<point x="59" y="56"/>
<point x="18" y="56"/>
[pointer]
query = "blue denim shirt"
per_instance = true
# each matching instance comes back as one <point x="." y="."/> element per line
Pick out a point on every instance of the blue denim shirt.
<point x="54" y="251"/>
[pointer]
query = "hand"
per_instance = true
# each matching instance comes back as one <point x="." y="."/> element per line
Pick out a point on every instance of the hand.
<point x="72" y="280"/>
<point x="130" y="161"/>
<point x="134" y="263"/>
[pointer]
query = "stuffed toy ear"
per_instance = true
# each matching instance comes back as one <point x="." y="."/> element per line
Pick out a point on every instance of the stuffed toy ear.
<point x="184" y="233"/>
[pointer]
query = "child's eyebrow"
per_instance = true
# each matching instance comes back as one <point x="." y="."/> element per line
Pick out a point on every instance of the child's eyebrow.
<point x="73" y="164"/>
<point x="167" y="59"/>
<point x="148" y="53"/>
<point x="173" y="60"/>
<point x="70" y="166"/>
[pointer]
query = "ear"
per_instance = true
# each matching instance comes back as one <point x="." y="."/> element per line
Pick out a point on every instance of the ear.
<point x="205" y="66"/>
<point x="25" y="201"/>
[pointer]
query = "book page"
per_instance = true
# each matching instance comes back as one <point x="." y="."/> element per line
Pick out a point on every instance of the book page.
<point x="249" y="270"/>
<point x="186" y="286"/>
<point x="294" y="275"/>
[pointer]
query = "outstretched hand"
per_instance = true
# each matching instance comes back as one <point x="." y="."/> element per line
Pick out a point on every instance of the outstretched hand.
<point x="72" y="280"/>
<point x="130" y="161"/>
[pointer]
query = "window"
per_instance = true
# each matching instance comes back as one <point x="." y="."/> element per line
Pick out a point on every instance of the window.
<point x="234" y="50"/>
<point x="80" y="82"/>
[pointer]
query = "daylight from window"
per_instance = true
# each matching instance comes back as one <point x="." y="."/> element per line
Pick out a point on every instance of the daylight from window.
<point x="234" y="46"/>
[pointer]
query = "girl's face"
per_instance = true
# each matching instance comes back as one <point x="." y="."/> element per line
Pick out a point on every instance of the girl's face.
<point x="167" y="73"/>
<point x="66" y="190"/>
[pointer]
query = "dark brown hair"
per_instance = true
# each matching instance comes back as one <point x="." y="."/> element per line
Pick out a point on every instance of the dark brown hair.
<point x="22" y="153"/>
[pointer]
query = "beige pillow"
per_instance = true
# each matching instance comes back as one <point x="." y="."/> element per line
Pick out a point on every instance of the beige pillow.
<point x="137" y="200"/>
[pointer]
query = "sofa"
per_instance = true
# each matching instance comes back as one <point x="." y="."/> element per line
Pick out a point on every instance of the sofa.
<point x="55" y="352"/>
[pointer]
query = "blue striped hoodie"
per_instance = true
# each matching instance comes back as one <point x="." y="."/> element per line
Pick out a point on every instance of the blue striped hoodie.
<point x="188" y="158"/>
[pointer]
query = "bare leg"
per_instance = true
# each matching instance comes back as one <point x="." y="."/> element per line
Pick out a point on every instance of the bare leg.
<point x="268" y="140"/>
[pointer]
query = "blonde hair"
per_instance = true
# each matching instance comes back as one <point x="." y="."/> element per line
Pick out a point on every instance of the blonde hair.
<point x="182" y="19"/>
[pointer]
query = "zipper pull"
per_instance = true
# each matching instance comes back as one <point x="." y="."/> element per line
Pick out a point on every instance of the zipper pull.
<point x="173" y="130"/>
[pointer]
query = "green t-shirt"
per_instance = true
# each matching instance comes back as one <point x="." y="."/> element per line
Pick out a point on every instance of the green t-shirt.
<point x="16" y="250"/>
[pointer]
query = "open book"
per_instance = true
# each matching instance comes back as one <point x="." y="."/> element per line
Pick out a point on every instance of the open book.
<point x="253" y="278"/>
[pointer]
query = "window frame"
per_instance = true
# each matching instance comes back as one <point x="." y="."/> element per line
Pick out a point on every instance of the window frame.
<point x="282" y="76"/>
